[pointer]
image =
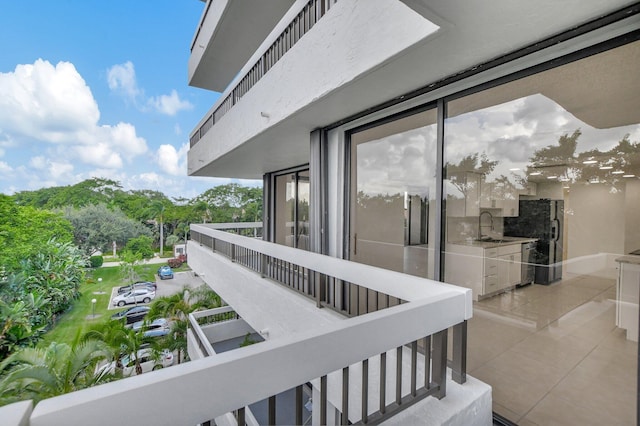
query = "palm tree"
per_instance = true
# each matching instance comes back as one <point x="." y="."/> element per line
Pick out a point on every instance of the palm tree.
<point x="172" y="240"/>
<point x="157" y="210"/>
<point x="183" y="228"/>
<point x="20" y="320"/>
<point x="119" y="341"/>
<point x="177" y="308"/>
<point x="40" y="373"/>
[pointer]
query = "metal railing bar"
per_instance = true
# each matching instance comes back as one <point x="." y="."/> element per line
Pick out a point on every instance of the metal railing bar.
<point x="459" y="363"/>
<point x="323" y="400"/>
<point x="383" y="382"/>
<point x="345" y="396"/>
<point x="439" y="362"/>
<point x="365" y="390"/>
<point x="241" y="417"/>
<point x="299" y="405"/>
<point x="399" y="375"/>
<point x="272" y="410"/>
<point x="414" y="366"/>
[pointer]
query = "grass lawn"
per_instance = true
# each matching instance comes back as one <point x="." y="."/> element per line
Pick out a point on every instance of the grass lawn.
<point x="99" y="285"/>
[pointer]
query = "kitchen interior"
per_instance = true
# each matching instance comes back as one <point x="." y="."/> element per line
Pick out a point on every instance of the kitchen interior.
<point x="542" y="198"/>
<point x="552" y="313"/>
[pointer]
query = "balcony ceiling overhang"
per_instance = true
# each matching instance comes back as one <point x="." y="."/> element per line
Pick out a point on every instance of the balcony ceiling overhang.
<point x="230" y="32"/>
<point x="470" y="34"/>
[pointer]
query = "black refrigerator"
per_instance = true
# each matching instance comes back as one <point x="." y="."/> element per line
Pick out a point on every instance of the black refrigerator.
<point x="541" y="219"/>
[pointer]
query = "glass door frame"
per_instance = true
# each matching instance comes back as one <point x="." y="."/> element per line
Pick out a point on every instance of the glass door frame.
<point x="272" y="200"/>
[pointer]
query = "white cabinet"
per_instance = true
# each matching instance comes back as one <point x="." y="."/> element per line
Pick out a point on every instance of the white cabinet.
<point x="491" y="274"/>
<point x="499" y="195"/>
<point x="485" y="270"/>
<point x="627" y="295"/>
<point x="463" y="192"/>
<point x="510" y="265"/>
<point x="530" y="188"/>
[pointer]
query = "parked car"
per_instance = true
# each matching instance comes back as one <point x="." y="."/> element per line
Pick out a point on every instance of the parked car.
<point x="165" y="272"/>
<point x="141" y="295"/>
<point x="148" y="362"/>
<point x="156" y="328"/>
<point x="136" y="285"/>
<point x="132" y="315"/>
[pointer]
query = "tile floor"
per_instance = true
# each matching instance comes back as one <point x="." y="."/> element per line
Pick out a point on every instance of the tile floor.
<point x="554" y="355"/>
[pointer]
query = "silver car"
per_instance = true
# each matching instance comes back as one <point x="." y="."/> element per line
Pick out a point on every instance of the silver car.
<point x="148" y="362"/>
<point x="140" y="295"/>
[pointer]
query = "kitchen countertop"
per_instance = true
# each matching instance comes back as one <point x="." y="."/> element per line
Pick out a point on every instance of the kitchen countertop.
<point x="629" y="259"/>
<point x="504" y="241"/>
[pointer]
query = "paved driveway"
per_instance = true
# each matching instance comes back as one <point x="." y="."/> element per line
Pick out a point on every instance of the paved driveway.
<point x="180" y="279"/>
<point x="166" y="287"/>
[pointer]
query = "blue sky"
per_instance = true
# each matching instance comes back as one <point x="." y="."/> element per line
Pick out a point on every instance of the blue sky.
<point x="98" y="89"/>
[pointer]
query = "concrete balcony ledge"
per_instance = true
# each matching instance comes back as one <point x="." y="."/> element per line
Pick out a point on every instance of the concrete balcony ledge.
<point x="243" y="24"/>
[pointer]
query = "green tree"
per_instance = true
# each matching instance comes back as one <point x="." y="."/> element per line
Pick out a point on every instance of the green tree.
<point x="172" y="240"/>
<point x="36" y="373"/>
<point x="142" y="246"/>
<point x="56" y="273"/>
<point x="157" y="210"/>
<point x="129" y="260"/>
<point x="96" y="227"/>
<point x="177" y="308"/>
<point x="230" y="203"/>
<point x="25" y="230"/>
<point x="90" y="191"/>
<point x="120" y="341"/>
<point x="20" y="321"/>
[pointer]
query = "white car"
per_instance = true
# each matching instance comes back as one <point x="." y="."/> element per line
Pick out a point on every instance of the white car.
<point x="140" y="295"/>
<point x="147" y="362"/>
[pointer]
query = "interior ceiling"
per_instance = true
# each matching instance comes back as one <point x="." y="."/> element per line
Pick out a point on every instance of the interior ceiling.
<point x="595" y="90"/>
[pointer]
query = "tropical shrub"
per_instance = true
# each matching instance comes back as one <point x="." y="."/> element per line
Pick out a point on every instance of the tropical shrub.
<point x="96" y="261"/>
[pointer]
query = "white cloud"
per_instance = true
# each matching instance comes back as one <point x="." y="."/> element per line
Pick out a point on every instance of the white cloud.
<point x="42" y="103"/>
<point x="38" y="163"/>
<point x="169" y="104"/>
<point x="60" y="169"/>
<point x="122" y="78"/>
<point x="172" y="161"/>
<point x="5" y="168"/>
<point x="47" y="103"/>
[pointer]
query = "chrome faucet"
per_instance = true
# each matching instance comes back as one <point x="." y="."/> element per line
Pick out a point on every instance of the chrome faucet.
<point x="480" y="226"/>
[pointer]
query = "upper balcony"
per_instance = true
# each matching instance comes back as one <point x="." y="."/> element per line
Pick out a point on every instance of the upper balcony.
<point x="318" y="48"/>
<point x="228" y="34"/>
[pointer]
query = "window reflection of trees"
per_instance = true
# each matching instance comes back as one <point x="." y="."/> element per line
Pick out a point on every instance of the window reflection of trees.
<point x="560" y="162"/>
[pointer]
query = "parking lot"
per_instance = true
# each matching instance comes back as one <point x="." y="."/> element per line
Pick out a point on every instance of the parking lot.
<point x="166" y="287"/>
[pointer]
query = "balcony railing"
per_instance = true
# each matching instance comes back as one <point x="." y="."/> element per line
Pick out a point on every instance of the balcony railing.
<point x="424" y="359"/>
<point x="299" y="26"/>
<point x="365" y="368"/>
<point x="206" y="318"/>
<point x="325" y="288"/>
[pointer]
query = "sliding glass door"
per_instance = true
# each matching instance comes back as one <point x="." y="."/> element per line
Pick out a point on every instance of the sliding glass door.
<point x="291" y="221"/>
<point x="393" y="186"/>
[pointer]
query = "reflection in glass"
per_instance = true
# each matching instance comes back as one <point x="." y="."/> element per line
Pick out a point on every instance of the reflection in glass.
<point x="393" y="185"/>
<point x="549" y="163"/>
<point x="285" y="209"/>
<point x="292" y="209"/>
